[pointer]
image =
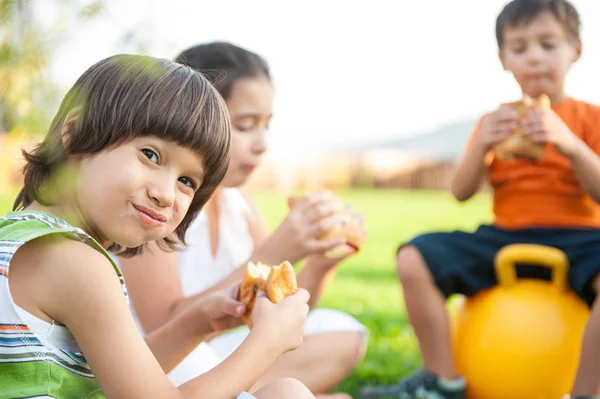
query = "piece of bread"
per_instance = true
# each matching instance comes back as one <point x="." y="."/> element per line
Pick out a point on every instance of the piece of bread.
<point x="281" y="282"/>
<point x="254" y="280"/>
<point x="348" y="228"/>
<point x="518" y="145"/>
<point x="277" y="281"/>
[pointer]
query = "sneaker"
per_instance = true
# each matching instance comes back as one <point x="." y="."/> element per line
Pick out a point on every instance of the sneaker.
<point x="421" y="385"/>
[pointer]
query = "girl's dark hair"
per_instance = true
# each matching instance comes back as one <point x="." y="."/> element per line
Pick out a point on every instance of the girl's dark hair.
<point x="224" y="64"/>
<point x="127" y="96"/>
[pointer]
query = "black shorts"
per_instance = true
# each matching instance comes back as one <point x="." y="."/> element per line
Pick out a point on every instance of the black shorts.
<point x="463" y="262"/>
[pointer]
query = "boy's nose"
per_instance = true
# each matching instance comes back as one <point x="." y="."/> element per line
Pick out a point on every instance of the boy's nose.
<point x="162" y="193"/>
<point x="534" y="55"/>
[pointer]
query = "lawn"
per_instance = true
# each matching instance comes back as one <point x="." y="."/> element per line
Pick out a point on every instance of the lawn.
<point x="365" y="285"/>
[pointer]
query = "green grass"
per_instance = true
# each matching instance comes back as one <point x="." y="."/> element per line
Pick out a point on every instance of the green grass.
<point x="366" y="286"/>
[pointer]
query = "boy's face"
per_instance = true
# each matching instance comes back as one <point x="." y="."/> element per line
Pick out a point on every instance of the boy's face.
<point x="539" y="53"/>
<point x="139" y="191"/>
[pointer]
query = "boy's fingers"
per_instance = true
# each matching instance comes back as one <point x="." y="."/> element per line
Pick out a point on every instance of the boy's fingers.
<point x="235" y="290"/>
<point x="240" y="310"/>
<point x="232" y="307"/>
<point x="505" y="124"/>
<point x="506" y="113"/>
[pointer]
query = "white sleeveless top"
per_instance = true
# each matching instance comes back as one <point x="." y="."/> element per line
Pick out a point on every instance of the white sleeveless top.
<point x="198" y="269"/>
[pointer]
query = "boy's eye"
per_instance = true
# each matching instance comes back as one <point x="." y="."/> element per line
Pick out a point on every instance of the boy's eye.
<point x="151" y="155"/>
<point x="548" y="46"/>
<point x="188" y="182"/>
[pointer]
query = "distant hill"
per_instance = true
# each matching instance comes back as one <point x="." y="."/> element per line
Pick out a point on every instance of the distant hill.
<point x="445" y="143"/>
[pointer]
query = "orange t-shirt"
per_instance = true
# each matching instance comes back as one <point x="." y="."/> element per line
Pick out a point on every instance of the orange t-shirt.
<point x="547" y="194"/>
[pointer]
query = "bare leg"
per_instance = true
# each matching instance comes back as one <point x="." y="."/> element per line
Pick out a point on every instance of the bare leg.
<point x="587" y="380"/>
<point x="284" y="388"/>
<point x="321" y="362"/>
<point x="426" y="309"/>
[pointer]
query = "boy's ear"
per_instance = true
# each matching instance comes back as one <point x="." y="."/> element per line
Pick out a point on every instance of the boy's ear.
<point x="69" y="124"/>
<point x="578" y="49"/>
<point x="501" y="57"/>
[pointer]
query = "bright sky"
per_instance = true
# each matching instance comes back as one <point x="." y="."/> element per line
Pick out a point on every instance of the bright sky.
<point x="345" y="71"/>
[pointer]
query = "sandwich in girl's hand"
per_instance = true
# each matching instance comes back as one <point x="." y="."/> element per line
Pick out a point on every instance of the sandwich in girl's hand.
<point x="348" y="228"/>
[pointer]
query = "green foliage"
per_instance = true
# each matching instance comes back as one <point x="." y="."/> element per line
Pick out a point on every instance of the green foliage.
<point x="27" y="44"/>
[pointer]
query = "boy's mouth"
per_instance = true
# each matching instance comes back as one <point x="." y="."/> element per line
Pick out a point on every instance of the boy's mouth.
<point x="149" y="216"/>
<point x="536" y="76"/>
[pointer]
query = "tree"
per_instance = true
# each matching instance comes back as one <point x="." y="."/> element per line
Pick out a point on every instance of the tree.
<point x="27" y="43"/>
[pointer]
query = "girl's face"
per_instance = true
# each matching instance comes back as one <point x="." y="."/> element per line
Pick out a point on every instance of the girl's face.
<point x="138" y="191"/>
<point x="250" y="105"/>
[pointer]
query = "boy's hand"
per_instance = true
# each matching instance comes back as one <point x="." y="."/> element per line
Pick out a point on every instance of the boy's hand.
<point x="543" y="125"/>
<point x="222" y="309"/>
<point x="281" y="324"/>
<point x="496" y="126"/>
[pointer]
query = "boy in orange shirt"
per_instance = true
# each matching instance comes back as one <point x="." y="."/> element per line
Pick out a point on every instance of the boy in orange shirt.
<point x="553" y="202"/>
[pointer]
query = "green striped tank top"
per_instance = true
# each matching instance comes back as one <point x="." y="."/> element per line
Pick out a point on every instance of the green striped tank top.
<point x="35" y="365"/>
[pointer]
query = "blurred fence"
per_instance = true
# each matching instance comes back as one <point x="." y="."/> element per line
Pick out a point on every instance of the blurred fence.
<point x="389" y="168"/>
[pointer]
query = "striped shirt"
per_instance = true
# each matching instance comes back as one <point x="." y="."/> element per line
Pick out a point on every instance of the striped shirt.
<point x="34" y="365"/>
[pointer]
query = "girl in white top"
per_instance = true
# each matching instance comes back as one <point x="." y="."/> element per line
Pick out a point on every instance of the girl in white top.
<point x="231" y="230"/>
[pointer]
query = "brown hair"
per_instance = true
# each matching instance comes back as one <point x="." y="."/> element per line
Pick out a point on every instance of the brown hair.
<point x="127" y="96"/>
<point x="224" y="64"/>
<point x="523" y="11"/>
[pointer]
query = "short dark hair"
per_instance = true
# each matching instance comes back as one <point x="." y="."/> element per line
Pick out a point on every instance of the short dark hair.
<point x="127" y="96"/>
<point x="224" y="64"/>
<point x="519" y="11"/>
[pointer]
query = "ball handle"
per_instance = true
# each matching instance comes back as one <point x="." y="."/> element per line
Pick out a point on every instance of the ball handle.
<point x="541" y="255"/>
